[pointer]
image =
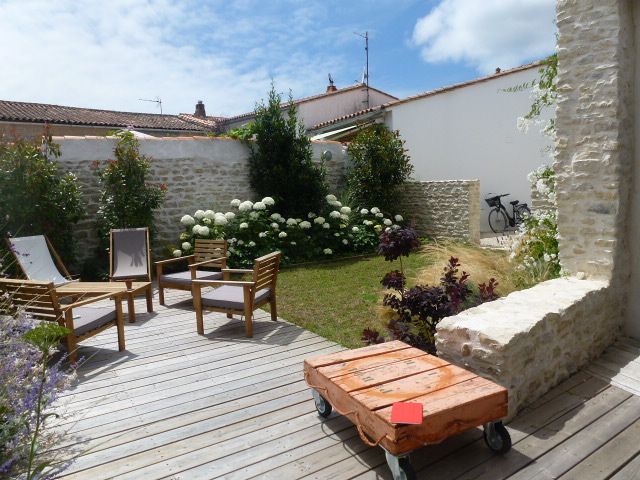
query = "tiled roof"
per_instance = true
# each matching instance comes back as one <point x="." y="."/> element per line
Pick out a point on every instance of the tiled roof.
<point x="428" y="94"/>
<point x="313" y="97"/>
<point x="58" y="114"/>
<point x="208" y="122"/>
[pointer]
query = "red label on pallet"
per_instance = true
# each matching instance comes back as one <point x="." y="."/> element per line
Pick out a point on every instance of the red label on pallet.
<point x="406" y="412"/>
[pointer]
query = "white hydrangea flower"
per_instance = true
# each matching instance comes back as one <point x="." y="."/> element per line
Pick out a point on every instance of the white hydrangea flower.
<point x="209" y="214"/>
<point x="177" y="253"/>
<point x="275" y="226"/>
<point x="187" y="220"/>
<point x="345" y="210"/>
<point x="355" y="229"/>
<point x="305" y="225"/>
<point x="221" y="220"/>
<point x="394" y="226"/>
<point x="186" y="246"/>
<point x="344" y="217"/>
<point x="318" y="220"/>
<point x="252" y="243"/>
<point x="204" y="231"/>
<point x="387" y="222"/>
<point x="327" y="251"/>
<point x="206" y="221"/>
<point x="311" y="215"/>
<point x="364" y="211"/>
<point x="345" y="241"/>
<point x="262" y="234"/>
<point x="230" y="215"/>
<point x="331" y="198"/>
<point x="291" y="221"/>
<point x="232" y="250"/>
<point x="196" y="230"/>
<point x="259" y="206"/>
<point x="335" y="214"/>
<point x="240" y="242"/>
<point x="184" y="236"/>
<point x="244" y="225"/>
<point x="282" y="235"/>
<point x="367" y="222"/>
<point x="375" y="210"/>
<point x="293" y="243"/>
<point x="235" y="202"/>
<point x="199" y="214"/>
<point x="398" y="218"/>
<point x="379" y="214"/>
<point x="337" y="234"/>
<point x="275" y="216"/>
<point x="245" y="206"/>
<point x="232" y="240"/>
<point x="378" y="228"/>
<point x="268" y="201"/>
<point x="253" y="215"/>
<point x="326" y="225"/>
<point x="547" y="257"/>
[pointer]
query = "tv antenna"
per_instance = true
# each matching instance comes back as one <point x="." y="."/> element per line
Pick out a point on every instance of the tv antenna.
<point x="365" y="76"/>
<point x="157" y="101"/>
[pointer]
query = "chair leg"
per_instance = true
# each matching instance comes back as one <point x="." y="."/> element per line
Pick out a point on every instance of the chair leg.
<point x="150" y="298"/>
<point x="120" y="324"/>
<point x="160" y="294"/>
<point x="229" y="315"/>
<point x="72" y="348"/>
<point x="197" y="305"/>
<point x="248" y="314"/>
<point x="274" y="311"/>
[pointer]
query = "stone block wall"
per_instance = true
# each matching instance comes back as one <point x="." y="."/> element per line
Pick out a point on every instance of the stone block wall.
<point x="539" y="202"/>
<point x="443" y="209"/>
<point x="200" y="172"/>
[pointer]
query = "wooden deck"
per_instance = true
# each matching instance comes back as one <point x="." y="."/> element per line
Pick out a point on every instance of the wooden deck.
<point x="176" y="405"/>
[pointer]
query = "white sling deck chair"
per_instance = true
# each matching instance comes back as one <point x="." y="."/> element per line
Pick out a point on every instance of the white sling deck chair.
<point x="38" y="259"/>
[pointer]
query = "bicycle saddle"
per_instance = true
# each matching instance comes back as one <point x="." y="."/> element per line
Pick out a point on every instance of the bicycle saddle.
<point x="514" y="202"/>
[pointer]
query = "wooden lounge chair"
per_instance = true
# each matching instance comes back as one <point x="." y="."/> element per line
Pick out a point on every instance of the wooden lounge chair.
<point x="38" y="260"/>
<point x="241" y="297"/>
<point x="40" y="300"/>
<point x="130" y="259"/>
<point x="206" y="253"/>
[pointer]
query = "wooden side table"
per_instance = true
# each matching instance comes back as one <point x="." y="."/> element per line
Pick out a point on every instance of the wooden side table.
<point x="363" y="384"/>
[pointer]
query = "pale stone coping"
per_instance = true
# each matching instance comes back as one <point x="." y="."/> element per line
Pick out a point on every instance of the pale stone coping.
<point x="186" y="137"/>
<point x="531" y="340"/>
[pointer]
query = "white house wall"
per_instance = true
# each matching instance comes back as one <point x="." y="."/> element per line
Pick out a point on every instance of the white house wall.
<point x="471" y="132"/>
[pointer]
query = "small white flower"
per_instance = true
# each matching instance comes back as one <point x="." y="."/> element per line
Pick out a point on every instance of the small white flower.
<point x="199" y="214"/>
<point x="367" y="222"/>
<point x="244" y="225"/>
<point x="262" y="234"/>
<point x="355" y="229"/>
<point x="345" y="210"/>
<point x="206" y="221"/>
<point x="326" y="225"/>
<point x="331" y="198"/>
<point x="232" y="240"/>
<point x="282" y="235"/>
<point x="275" y="226"/>
<point x="388" y="229"/>
<point x="221" y="220"/>
<point x="344" y="217"/>
<point x="230" y="215"/>
<point x="235" y="202"/>
<point x="259" y="206"/>
<point x="398" y="218"/>
<point x="240" y="242"/>
<point x="387" y="222"/>
<point x="252" y="243"/>
<point x="276" y="217"/>
<point x="364" y="211"/>
<point x="232" y="250"/>
<point x="209" y="214"/>
<point x="268" y="201"/>
<point x="253" y="215"/>
<point x="186" y="246"/>
<point x="337" y="234"/>
<point x="305" y="225"/>
<point x="335" y="214"/>
<point x="547" y="257"/>
<point x="293" y="243"/>
<point x="187" y="220"/>
<point x="327" y="251"/>
<point x="311" y="215"/>
<point x="379" y="214"/>
<point x="318" y="220"/>
<point x="345" y="241"/>
<point x="177" y="253"/>
<point x="291" y="221"/>
<point x="375" y="210"/>
<point x="245" y="206"/>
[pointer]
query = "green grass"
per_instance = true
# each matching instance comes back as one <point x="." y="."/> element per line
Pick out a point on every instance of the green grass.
<point x="339" y="299"/>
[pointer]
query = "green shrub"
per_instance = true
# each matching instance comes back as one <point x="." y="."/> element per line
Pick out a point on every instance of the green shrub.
<point x="280" y="162"/>
<point x="380" y="165"/>
<point x="36" y="197"/>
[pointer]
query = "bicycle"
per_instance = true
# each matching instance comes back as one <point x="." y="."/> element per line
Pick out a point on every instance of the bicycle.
<point x="499" y="218"/>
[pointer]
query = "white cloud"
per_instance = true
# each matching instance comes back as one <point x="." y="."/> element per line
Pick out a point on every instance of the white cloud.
<point x="109" y="54"/>
<point x="487" y="34"/>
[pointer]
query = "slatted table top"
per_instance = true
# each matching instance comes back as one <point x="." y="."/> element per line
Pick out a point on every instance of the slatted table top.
<point x="98" y="288"/>
<point x="364" y="383"/>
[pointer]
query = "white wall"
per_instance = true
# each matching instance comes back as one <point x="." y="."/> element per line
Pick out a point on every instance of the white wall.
<point x="471" y="132"/>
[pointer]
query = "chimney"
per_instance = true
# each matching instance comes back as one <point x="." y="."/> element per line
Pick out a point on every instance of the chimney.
<point x="200" y="110"/>
<point x="331" y="87"/>
<point x="498" y="70"/>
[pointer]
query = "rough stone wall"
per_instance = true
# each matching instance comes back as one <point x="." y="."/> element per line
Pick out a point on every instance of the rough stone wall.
<point x="539" y="202"/>
<point x="531" y="340"/>
<point x="594" y="122"/>
<point x="200" y="173"/>
<point x="443" y="209"/>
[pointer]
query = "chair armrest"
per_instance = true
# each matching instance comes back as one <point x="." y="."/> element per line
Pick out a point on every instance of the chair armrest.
<point x="171" y="260"/>
<point x="69" y="306"/>
<point x="221" y="260"/>
<point x="237" y="270"/>
<point x="205" y="283"/>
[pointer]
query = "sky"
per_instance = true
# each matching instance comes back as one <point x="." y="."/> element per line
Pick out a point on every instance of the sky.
<point x="110" y="54"/>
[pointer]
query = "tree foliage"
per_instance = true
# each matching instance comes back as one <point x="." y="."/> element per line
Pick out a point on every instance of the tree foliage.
<point x="380" y="165"/>
<point x="281" y="163"/>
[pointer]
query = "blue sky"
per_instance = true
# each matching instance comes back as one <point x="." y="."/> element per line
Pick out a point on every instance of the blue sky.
<point x="110" y="54"/>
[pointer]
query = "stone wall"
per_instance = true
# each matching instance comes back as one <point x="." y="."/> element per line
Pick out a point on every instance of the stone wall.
<point x="201" y="173"/>
<point x="443" y="209"/>
<point x="539" y="202"/>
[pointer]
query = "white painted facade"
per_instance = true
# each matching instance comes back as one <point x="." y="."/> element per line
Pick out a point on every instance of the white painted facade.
<point x="471" y="132"/>
<point x="329" y="106"/>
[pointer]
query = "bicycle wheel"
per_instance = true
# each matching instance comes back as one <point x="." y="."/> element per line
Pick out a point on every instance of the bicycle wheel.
<point x="522" y="212"/>
<point x="498" y="220"/>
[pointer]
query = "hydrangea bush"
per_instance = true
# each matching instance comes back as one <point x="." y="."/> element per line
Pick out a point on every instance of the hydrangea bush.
<point x="535" y="249"/>
<point x="256" y="228"/>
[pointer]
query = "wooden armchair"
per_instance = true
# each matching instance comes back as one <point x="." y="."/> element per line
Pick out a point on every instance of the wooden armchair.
<point x="40" y="300"/>
<point x="38" y="260"/>
<point x="241" y="297"/>
<point x="206" y="253"/>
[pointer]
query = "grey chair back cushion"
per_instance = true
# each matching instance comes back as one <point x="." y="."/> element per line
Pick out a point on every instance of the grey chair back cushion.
<point x="35" y="259"/>
<point x="231" y="297"/>
<point x="184" y="278"/>
<point x="130" y="254"/>
<point x="86" y="319"/>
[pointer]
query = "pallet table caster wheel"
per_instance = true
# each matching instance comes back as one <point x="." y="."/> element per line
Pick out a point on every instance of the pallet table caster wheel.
<point x="323" y="407"/>
<point x="400" y="467"/>
<point x="497" y="437"/>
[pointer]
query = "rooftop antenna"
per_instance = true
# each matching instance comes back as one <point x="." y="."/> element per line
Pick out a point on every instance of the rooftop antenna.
<point x="157" y="101"/>
<point x="366" y="69"/>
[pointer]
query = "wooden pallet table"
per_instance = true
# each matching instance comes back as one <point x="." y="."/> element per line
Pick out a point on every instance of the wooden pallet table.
<point x="363" y="384"/>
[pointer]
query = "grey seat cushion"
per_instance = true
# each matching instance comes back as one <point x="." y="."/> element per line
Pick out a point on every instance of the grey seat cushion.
<point x="231" y="297"/>
<point x="86" y="319"/>
<point x="184" y="278"/>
